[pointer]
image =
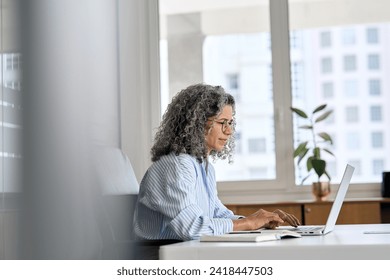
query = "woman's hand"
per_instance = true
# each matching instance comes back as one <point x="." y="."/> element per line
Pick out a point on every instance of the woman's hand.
<point x="265" y="219"/>
<point x="288" y="218"/>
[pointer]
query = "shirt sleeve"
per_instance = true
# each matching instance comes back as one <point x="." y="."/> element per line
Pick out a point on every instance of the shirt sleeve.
<point x="177" y="199"/>
<point x="221" y="211"/>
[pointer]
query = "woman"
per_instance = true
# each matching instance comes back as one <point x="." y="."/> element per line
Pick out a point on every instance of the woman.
<point x="178" y="196"/>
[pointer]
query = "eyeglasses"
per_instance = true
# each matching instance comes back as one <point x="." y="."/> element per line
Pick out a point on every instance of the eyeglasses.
<point x="225" y="123"/>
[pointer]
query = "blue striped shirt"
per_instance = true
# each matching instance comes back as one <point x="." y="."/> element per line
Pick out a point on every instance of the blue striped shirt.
<point x="178" y="200"/>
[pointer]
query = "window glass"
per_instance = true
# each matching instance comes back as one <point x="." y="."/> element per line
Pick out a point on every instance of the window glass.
<point x="377" y="139"/>
<point x="347" y="51"/>
<point x="327" y="90"/>
<point x="378" y="166"/>
<point x="352" y="114"/>
<point x="376" y="113"/>
<point x="373" y="62"/>
<point x="374" y="87"/>
<point x="10" y="102"/>
<point x="349" y="63"/>
<point x="326" y="65"/>
<point x="230" y="45"/>
<point x="325" y="39"/>
<point x="372" y="35"/>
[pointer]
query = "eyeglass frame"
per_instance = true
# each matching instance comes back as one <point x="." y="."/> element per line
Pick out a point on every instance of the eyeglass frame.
<point x="225" y="123"/>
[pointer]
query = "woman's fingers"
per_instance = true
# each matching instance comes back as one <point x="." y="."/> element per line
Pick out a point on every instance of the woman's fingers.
<point x="289" y="218"/>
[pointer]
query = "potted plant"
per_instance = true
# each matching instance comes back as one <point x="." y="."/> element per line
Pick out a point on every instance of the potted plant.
<point x="313" y="149"/>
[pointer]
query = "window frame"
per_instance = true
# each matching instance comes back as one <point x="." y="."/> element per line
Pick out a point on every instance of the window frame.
<point x="283" y="188"/>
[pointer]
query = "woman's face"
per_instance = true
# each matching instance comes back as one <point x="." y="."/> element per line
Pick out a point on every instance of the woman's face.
<point x="216" y="137"/>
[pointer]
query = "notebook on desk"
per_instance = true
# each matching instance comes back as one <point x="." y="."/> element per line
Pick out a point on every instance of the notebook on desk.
<point x="333" y="214"/>
<point x="259" y="236"/>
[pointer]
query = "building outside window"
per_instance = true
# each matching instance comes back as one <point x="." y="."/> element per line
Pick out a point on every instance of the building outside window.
<point x="325" y="39"/>
<point x="376" y="113"/>
<point x="372" y="35"/>
<point x="373" y="62"/>
<point x="377" y="166"/>
<point x="377" y="139"/>
<point x="327" y="90"/>
<point x="326" y="65"/>
<point x="349" y="63"/>
<point x="374" y="87"/>
<point x="352" y="114"/>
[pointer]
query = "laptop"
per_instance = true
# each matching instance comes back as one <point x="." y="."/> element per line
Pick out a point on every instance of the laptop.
<point x="334" y="211"/>
<point x="333" y="214"/>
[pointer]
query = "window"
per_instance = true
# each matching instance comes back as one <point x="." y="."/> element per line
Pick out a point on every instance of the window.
<point x="352" y="114"/>
<point x="373" y="62"/>
<point x="377" y="139"/>
<point x="233" y="86"/>
<point x="11" y="123"/>
<point x="377" y="166"/>
<point x="326" y="65"/>
<point x="232" y="81"/>
<point x="374" y="87"/>
<point x="376" y="113"/>
<point x="349" y="63"/>
<point x="238" y="142"/>
<point x="357" y="55"/>
<point x="325" y="39"/>
<point x="13" y="61"/>
<point x="372" y="35"/>
<point x="239" y="58"/>
<point x="327" y="90"/>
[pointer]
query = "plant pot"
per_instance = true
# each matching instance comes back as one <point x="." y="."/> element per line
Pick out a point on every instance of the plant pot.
<point x="321" y="190"/>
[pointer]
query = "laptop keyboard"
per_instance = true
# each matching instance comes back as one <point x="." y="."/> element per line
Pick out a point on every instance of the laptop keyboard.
<point x="306" y="228"/>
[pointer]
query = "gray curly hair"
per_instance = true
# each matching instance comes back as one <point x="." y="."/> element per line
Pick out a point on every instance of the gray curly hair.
<point x="183" y="127"/>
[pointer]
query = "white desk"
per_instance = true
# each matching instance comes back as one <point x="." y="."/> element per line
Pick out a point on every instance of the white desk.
<point x="345" y="242"/>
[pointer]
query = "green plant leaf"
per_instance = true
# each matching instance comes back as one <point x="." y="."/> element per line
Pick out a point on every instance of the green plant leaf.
<point x="329" y="152"/>
<point x="326" y="137"/>
<point x="309" y="165"/>
<point x="299" y="112"/>
<point x="300" y="149"/>
<point x="323" y="116"/>
<point x="317" y="153"/>
<point x="302" y="155"/>
<point x="319" y="166"/>
<point x="306" y="127"/>
<point x="319" y="108"/>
